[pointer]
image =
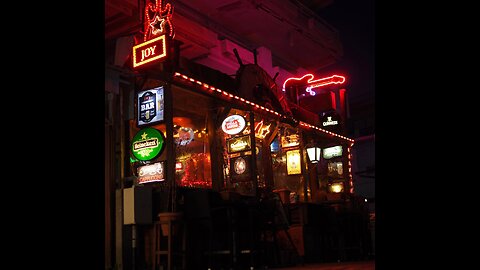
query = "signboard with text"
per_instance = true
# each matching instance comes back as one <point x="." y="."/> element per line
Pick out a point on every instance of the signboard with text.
<point x="147" y="52"/>
<point x="147" y="144"/>
<point x="233" y="124"/>
<point x="331" y="152"/>
<point x="239" y="144"/>
<point x="151" y="173"/>
<point x="150" y="106"/>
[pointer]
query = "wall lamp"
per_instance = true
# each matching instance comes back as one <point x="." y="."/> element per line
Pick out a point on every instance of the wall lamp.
<point x="314" y="154"/>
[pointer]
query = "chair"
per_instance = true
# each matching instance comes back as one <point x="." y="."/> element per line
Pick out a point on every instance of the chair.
<point x="210" y="229"/>
<point x="274" y="220"/>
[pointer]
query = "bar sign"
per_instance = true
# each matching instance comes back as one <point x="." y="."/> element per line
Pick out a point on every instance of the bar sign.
<point x="149" y="51"/>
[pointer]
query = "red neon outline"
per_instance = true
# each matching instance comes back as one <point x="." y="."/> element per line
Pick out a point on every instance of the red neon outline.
<point x="165" y="14"/>
<point x="164" y="44"/>
<point x="334" y="79"/>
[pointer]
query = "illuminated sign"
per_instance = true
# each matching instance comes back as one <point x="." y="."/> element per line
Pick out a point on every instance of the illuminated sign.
<point x="178" y="166"/>
<point x="330" y="120"/>
<point x="290" y="140"/>
<point x="152" y="50"/>
<point x="151" y="173"/>
<point x="183" y="135"/>
<point x="233" y="124"/>
<point x="309" y="83"/>
<point x="157" y="19"/>
<point x="157" y="26"/>
<point x="240" y="169"/>
<point x="336" y="187"/>
<point x="293" y="162"/>
<point x="147" y="144"/>
<point x="239" y="144"/>
<point x="150" y="106"/>
<point x="262" y="130"/>
<point x="330" y="152"/>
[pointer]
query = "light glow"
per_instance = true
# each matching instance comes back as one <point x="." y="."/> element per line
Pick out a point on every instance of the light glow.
<point x="310" y="84"/>
<point x="314" y="154"/>
<point x="337" y="187"/>
<point x="155" y="23"/>
<point x="156" y="49"/>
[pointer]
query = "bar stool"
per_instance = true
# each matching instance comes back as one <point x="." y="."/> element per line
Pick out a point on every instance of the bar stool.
<point x="169" y="241"/>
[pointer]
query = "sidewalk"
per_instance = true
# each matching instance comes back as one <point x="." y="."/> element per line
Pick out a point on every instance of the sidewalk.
<point x="362" y="265"/>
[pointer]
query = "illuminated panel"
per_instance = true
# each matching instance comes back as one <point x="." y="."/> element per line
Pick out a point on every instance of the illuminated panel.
<point x="210" y="89"/>
<point x="151" y="173"/>
<point x="336" y="187"/>
<point x="147" y="52"/>
<point x="238" y="144"/>
<point x="293" y="162"/>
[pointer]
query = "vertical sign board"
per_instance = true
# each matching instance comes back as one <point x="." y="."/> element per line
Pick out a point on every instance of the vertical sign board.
<point x="150" y="106"/>
<point x="293" y="162"/>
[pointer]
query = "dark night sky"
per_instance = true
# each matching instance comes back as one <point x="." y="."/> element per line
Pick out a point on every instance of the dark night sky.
<point x="355" y="22"/>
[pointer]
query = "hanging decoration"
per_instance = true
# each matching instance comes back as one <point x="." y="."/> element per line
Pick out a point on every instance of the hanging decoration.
<point x="157" y="28"/>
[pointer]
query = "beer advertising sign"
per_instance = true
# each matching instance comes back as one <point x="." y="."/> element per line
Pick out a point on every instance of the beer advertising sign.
<point x="331" y="152"/>
<point x="147" y="144"/>
<point x="151" y="173"/>
<point x="233" y="124"/>
<point x="239" y="144"/>
<point x="150" y="106"/>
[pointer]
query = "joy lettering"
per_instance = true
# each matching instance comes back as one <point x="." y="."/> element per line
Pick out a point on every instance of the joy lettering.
<point x="148" y="52"/>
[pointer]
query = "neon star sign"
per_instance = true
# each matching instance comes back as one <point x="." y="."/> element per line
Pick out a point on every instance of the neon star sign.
<point x="156" y="18"/>
<point x="158" y="25"/>
<point x="309" y="83"/>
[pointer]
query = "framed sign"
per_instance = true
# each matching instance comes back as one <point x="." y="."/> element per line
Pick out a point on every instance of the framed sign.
<point x="290" y="140"/>
<point x="335" y="169"/>
<point x="150" y="106"/>
<point x="151" y="173"/>
<point x="293" y="162"/>
<point x="147" y="144"/>
<point x="334" y="151"/>
<point x="239" y="144"/>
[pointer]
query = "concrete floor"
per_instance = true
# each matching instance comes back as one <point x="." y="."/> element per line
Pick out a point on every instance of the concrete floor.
<point x="362" y="265"/>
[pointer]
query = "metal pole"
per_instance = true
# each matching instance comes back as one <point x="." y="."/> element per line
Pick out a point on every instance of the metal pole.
<point x="134" y="245"/>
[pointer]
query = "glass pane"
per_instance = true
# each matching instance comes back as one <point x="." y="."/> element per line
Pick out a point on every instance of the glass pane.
<point x="192" y="150"/>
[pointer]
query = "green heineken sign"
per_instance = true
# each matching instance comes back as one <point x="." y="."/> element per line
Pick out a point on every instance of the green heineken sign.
<point x="147" y="144"/>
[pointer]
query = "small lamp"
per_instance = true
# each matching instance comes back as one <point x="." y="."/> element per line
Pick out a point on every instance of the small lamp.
<point x="314" y="154"/>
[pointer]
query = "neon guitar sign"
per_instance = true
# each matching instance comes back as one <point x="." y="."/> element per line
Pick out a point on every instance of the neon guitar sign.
<point x="308" y="83"/>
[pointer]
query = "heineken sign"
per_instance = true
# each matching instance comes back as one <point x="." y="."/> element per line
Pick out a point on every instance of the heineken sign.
<point x="150" y="106"/>
<point x="147" y="144"/>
